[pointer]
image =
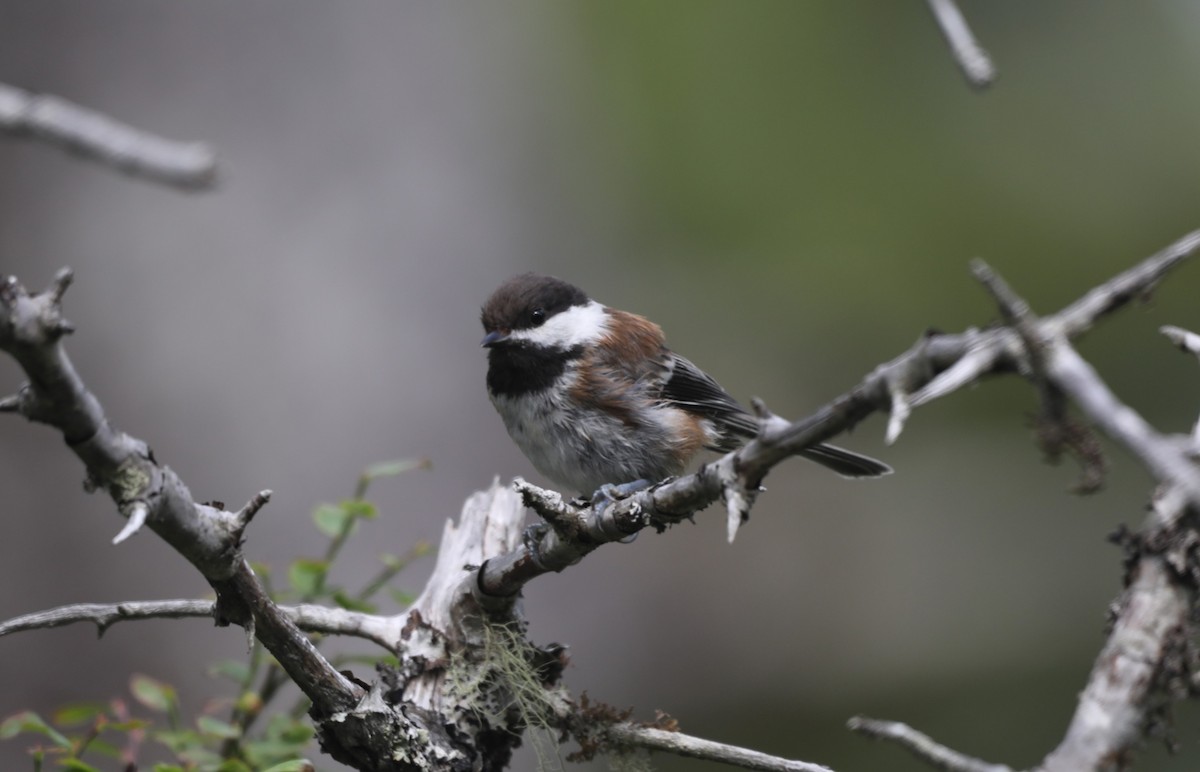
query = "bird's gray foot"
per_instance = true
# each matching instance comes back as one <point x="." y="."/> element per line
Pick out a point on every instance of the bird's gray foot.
<point x="609" y="493"/>
<point x="532" y="539"/>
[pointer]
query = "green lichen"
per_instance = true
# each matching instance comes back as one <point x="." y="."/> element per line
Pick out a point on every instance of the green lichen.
<point x="500" y="679"/>
<point x="130" y="482"/>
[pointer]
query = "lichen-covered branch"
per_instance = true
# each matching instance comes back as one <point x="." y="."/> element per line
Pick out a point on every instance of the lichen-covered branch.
<point x="1144" y="662"/>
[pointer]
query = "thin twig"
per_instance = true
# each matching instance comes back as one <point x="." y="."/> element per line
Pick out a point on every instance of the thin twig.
<point x="1188" y="341"/>
<point x="247" y="513"/>
<point x="183" y="165"/>
<point x="974" y="62"/>
<point x="1056" y="432"/>
<point x="309" y="617"/>
<point x="138" y="512"/>
<point x="1168" y="461"/>
<point x="104" y="615"/>
<point x="680" y="744"/>
<point x="1133" y="284"/>
<point x="921" y="745"/>
<point x="392" y="567"/>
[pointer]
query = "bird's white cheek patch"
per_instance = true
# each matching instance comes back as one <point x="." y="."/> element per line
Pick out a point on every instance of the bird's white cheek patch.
<point x="577" y="326"/>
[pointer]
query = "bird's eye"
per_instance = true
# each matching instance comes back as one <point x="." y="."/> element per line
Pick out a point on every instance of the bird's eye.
<point x="538" y="316"/>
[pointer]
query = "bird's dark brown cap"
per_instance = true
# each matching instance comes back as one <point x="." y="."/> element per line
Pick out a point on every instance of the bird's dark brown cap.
<point x="512" y="305"/>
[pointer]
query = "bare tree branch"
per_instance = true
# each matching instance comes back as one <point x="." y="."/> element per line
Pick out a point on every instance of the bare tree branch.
<point x="680" y="744"/>
<point x="1169" y="460"/>
<point x="31" y="330"/>
<point x="1130" y="680"/>
<point x="183" y="165"/>
<point x="1137" y="283"/>
<point x="1056" y="432"/>
<point x="1146" y="661"/>
<point x="309" y="617"/>
<point x="974" y="62"/>
<point x="105" y="615"/>
<point x="1188" y="341"/>
<point x="921" y="745"/>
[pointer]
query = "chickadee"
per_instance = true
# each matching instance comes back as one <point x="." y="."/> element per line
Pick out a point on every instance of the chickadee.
<point x="592" y="395"/>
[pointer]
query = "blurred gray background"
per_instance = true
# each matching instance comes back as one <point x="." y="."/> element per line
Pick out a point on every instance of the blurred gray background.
<point x="792" y="189"/>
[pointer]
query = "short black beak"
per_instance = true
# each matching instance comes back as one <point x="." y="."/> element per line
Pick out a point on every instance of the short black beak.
<point x="494" y="337"/>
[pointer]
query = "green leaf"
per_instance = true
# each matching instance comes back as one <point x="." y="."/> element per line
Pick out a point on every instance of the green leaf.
<point x="307" y="575"/>
<point x="77" y="765"/>
<point x="179" y="740"/>
<point x="25" y="721"/>
<point x="386" y="469"/>
<point x="393" y="468"/>
<point x="127" y="726"/>
<point x="78" y="713"/>
<point x="331" y="519"/>
<point x="233" y="765"/>
<point x="28" y="721"/>
<point x="200" y="756"/>
<point x="368" y="659"/>
<point x="234" y="669"/>
<point x="105" y="748"/>
<point x="264" y="753"/>
<point x="402" y="597"/>
<point x="299" y="733"/>
<point x="217" y="728"/>
<point x="280" y="724"/>
<point x="397" y="563"/>
<point x="295" y="765"/>
<point x="352" y="604"/>
<point x="360" y="508"/>
<point x="249" y="702"/>
<point x="168" y="768"/>
<point x="152" y="693"/>
<point x="284" y="738"/>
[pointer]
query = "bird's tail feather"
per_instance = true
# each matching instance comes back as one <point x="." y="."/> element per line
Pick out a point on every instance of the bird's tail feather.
<point x="847" y="463"/>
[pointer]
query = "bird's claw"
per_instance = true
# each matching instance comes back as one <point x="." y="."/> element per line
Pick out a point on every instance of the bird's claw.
<point x="532" y="539"/>
<point x="608" y="493"/>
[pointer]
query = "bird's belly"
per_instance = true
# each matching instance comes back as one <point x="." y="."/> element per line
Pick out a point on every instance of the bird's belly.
<point x="582" y="449"/>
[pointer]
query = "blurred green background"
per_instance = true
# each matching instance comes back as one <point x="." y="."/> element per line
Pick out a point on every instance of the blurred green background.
<point x="793" y="189"/>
